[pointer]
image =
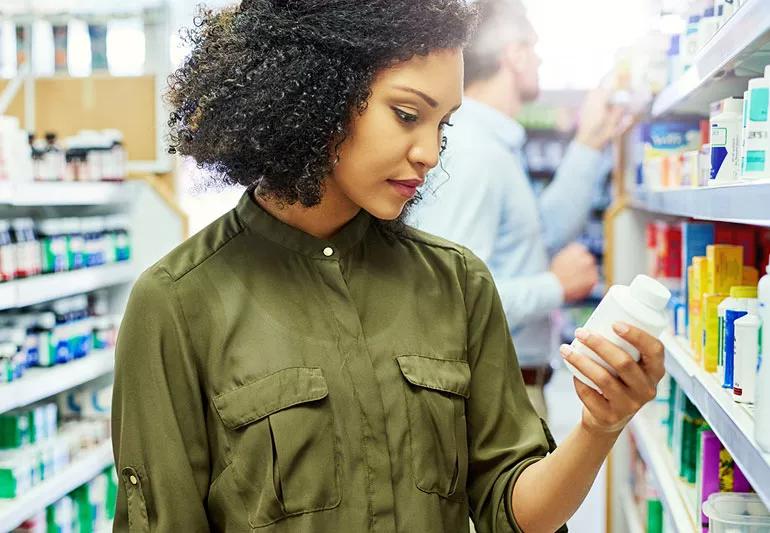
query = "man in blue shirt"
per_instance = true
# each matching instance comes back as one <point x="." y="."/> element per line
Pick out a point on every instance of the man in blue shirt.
<point x="486" y="202"/>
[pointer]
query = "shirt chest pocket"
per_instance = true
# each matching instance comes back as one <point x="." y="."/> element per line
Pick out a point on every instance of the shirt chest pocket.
<point x="283" y="444"/>
<point x="436" y="390"/>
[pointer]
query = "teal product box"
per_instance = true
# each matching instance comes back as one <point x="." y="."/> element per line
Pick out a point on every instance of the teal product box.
<point x="696" y="236"/>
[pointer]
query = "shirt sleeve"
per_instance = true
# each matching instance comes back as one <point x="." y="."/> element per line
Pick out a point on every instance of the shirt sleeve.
<point x="527" y="298"/>
<point x="505" y="434"/>
<point x="158" y="421"/>
<point x="566" y="203"/>
<point x="465" y="206"/>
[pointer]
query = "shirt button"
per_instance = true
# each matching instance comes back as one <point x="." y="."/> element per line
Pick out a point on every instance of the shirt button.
<point x="133" y="480"/>
<point x="328" y="252"/>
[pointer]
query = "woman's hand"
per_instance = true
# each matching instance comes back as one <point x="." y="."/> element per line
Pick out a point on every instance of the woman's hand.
<point x="634" y="386"/>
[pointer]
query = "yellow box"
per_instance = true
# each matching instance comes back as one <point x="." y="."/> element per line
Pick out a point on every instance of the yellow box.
<point x="697" y="287"/>
<point x="710" y="330"/>
<point x="750" y="276"/>
<point x="725" y="267"/>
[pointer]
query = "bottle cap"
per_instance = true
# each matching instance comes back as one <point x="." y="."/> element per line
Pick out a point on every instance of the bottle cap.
<point x="743" y="291"/>
<point x="650" y="292"/>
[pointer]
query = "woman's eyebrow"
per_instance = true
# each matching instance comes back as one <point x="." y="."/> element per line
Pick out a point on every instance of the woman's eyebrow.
<point x="430" y="101"/>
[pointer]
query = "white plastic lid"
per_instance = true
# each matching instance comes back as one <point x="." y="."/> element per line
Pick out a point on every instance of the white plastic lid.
<point x="650" y="292"/>
<point x="732" y="105"/>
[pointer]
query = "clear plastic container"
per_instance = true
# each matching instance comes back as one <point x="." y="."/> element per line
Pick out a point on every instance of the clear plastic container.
<point x="729" y="512"/>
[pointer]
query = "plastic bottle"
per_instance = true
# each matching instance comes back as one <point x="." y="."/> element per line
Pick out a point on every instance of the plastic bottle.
<point x="746" y="358"/>
<point x="743" y="301"/>
<point x="756" y="158"/>
<point x="688" y="47"/>
<point x="642" y="304"/>
<point x="707" y="27"/>
<point x="726" y="131"/>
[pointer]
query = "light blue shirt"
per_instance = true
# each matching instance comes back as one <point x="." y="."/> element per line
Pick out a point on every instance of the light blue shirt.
<point x="487" y="203"/>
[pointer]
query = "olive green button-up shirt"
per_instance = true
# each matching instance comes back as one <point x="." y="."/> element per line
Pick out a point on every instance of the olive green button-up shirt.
<point x="267" y="380"/>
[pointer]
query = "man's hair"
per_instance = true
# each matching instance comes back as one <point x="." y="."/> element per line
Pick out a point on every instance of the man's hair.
<point x="500" y="22"/>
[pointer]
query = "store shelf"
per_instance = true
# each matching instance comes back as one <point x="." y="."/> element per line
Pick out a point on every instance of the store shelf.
<point x="89" y="465"/>
<point x="745" y="203"/>
<point x="742" y="44"/>
<point x="732" y="422"/>
<point x="63" y="194"/>
<point x="40" y="383"/>
<point x="39" y="289"/>
<point x="677" y="497"/>
<point x="631" y="512"/>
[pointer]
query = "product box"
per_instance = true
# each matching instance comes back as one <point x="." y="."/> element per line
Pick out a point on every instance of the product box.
<point x="697" y="289"/>
<point x="750" y="276"/>
<point x="696" y="236"/>
<point x="738" y="235"/>
<point x="725" y="268"/>
<point x="710" y="330"/>
<point x="663" y="139"/>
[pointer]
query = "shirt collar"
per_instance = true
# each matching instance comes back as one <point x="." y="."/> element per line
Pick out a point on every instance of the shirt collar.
<point x="510" y="132"/>
<point x="263" y="223"/>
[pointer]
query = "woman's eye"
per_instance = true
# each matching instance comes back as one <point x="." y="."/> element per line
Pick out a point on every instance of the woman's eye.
<point x="404" y="116"/>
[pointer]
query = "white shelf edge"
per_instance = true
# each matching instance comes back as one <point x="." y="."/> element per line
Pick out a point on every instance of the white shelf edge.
<point x="86" y="467"/>
<point x="631" y="512"/>
<point x="672" y="490"/>
<point x="741" y="32"/>
<point x="733" y="423"/>
<point x="40" y="289"/>
<point x="40" y="194"/>
<point x="743" y="203"/>
<point x="40" y="383"/>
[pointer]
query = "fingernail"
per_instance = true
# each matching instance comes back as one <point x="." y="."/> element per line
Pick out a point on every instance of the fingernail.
<point x="620" y="328"/>
<point x="582" y="334"/>
<point x="565" y="350"/>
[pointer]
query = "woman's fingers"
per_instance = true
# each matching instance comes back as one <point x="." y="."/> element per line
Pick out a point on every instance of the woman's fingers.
<point x="651" y="349"/>
<point x="629" y="371"/>
<point x="610" y="386"/>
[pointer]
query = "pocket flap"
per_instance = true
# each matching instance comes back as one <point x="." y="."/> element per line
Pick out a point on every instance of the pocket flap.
<point x="446" y="375"/>
<point x="268" y="395"/>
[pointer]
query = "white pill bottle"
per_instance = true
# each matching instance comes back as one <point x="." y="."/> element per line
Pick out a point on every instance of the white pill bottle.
<point x="641" y="304"/>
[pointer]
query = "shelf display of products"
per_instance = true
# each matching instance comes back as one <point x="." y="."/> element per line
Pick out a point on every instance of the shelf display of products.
<point x="40" y="441"/>
<point x="54" y="334"/>
<point x="30" y="248"/>
<point x="89" y="156"/>
<point x="88" y="509"/>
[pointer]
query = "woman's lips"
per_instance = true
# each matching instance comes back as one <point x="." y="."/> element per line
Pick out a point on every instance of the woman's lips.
<point x="406" y="188"/>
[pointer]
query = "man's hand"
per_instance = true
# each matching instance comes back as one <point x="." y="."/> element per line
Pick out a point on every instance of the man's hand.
<point x="599" y="121"/>
<point x="576" y="270"/>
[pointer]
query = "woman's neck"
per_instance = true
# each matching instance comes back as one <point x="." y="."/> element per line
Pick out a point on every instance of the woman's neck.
<point x="322" y="221"/>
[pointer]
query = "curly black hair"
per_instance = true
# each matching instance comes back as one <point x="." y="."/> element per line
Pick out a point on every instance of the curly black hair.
<point x="269" y="90"/>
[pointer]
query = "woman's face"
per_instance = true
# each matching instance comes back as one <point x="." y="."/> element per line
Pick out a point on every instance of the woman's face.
<point x="393" y="144"/>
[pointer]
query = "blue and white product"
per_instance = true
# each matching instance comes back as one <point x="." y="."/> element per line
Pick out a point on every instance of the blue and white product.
<point x="726" y="130"/>
<point x="756" y="158"/>
<point x="674" y="59"/>
<point x="746" y="358"/>
<point x="741" y="308"/>
<point x="690" y="42"/>
<point x="707" y="27"/>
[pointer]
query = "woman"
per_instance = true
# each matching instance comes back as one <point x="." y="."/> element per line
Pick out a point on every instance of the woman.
<point x="308" y="363"/>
